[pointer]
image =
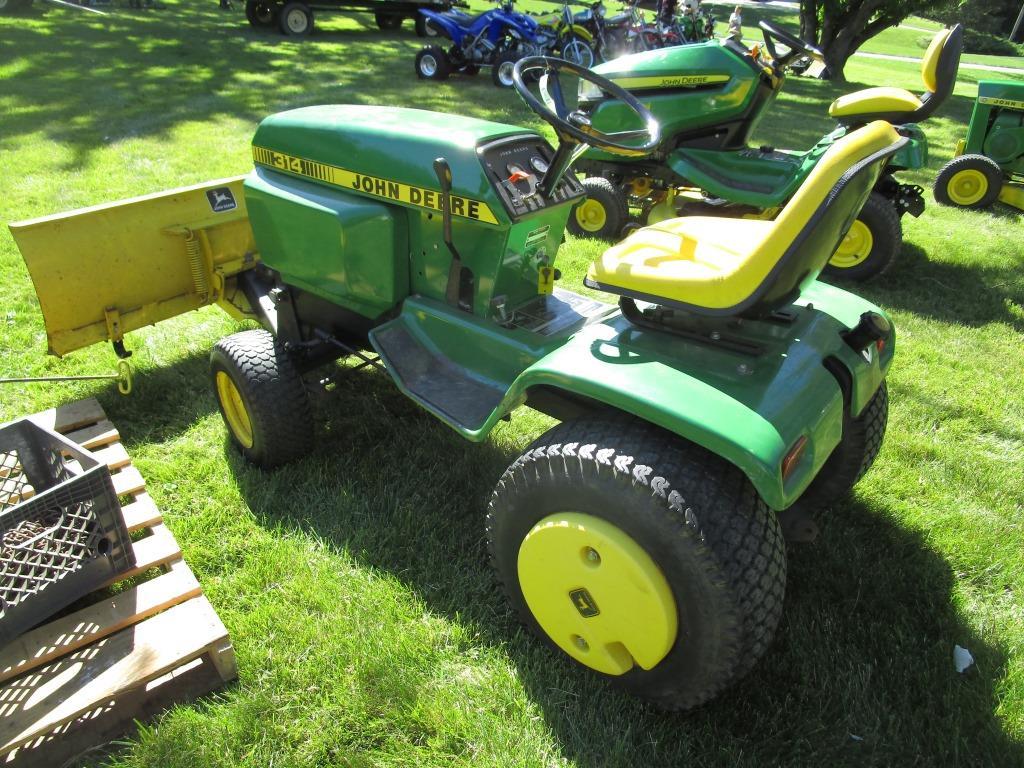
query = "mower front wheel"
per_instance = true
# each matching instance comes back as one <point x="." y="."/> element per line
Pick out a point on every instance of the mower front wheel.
<point x="296" y="20"/>
<point x="602" y="214"/>
<point x="643" y="557"/>
<point x="851" y="459"/>
<point x="969" y="181"/>
<point x="432" y="63"/>
<point x="262" y="398"/>
<point x="872" y="243"/>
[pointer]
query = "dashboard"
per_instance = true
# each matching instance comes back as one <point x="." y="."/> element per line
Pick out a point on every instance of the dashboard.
<point x="515" y="166"/>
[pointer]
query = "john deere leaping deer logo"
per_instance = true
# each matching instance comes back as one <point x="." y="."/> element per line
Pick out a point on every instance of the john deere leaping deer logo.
<point x="221" y="199"/>
<point x="584" y="603"/>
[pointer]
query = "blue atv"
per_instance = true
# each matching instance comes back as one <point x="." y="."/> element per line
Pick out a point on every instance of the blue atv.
<point x="497" y="38"/>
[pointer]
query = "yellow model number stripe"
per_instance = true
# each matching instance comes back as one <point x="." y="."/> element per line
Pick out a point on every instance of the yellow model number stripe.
<point x="420" y="197"/>
<point x="1002" y="102"/>
<point x="669" y="81"/>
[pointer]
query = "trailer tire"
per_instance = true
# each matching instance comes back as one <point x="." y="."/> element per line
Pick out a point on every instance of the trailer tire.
<point x="262" y="398"/>
<point x="669" y="544"/>
<point x="871" y="244"/>
<point x="969" y="181"/>
<point x="603" y="213"/>
<point x="387" y="21"/>
<point x="432" y="63"/>
<point x="851" y="459"/>
<point x="262" y="14"/>
<point x="296" y="20"/>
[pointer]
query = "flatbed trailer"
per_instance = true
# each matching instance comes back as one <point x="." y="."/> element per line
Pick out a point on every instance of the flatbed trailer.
<point x="295" y="17"/>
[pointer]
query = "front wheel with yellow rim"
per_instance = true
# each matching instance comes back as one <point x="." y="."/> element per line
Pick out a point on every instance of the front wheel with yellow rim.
<point x="262" y="398"/>
<point x="871" y="244"/>
<point x="642" y="557"/>
<point x="969" y="181"/>
<point x="602" y="214"/>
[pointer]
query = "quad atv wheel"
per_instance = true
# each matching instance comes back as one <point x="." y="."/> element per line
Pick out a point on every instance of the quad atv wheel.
<point x="969" y="181"/>
<point x="469" y="69"/>
<point x="851" y="459"/>
<point x="871" y="245"/>
<point x="261" y="13"/>
<point x="423" y="27"/>
<point x="262" y="398"/>
<point x="602" y="214"/>
<point x="432" y="63"/>
<point x="641" y="556"/>
<point x="387" y="21"/>
<point x="296" y="20"/>
<point x="576" y="51"/>
<point x="501" y="70"/>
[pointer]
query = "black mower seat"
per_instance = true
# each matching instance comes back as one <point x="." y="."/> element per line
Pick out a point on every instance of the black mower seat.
<point x="722" y="267"/>
<point x="897" y="105"/>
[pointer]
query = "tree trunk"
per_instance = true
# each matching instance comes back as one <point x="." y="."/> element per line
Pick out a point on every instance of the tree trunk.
<point x="809" y="21"/>
<point x="836" y="54"/>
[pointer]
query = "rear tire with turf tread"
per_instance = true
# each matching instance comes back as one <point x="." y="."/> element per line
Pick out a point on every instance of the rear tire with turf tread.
<point x="879" y="223"/>
<point x="602" y="214"/>
<point x="699" y="519"/>
<point x="272" y="393"/>
<point x="851" y="459"/>
<point x="432" y="63"/>
<point x="985" y="171"/>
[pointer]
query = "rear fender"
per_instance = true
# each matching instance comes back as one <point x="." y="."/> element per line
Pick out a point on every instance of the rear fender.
<point x="445" y="25"/>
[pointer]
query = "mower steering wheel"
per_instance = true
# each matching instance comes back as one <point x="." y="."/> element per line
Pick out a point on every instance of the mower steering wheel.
<point x="791" y="41"/>
<point x="575" y="124"/>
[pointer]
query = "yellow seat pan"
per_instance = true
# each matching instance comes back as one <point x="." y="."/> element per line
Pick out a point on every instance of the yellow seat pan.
<point x="673" y="258"/>
<point x="874" y="101"/>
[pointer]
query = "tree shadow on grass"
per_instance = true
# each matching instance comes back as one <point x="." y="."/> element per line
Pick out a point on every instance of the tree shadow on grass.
<point x="971" y="295"/>
<point x="861" y="671"/>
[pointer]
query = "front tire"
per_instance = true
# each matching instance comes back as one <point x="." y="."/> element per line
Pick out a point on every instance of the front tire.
<point x="296" y="20"/>
<point x="969" y="181"/>
<point x="262" y="398"/>
<point x="641" y="556"/>
<point x="575" y="50"/>
<point x="432" y="63"/>
<point x="871" y="245"/>
<point x="501" y="70"/>
<point x="602" y="214"/>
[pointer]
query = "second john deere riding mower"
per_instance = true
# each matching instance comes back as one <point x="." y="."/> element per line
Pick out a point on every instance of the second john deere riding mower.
<point x="709" y="99"/>
<point x="989" y="163"/>
<point x="728" y="394"/>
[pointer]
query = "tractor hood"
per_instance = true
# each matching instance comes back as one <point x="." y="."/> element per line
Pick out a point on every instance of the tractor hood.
<point x="380" y="148"/>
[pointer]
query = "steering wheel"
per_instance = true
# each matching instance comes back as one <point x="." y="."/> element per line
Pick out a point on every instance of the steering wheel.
<point x="791" y="41"/>
<point x="573" y="127"/>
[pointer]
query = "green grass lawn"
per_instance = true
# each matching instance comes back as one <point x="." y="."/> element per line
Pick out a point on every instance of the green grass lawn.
<point x="354" y="583"/>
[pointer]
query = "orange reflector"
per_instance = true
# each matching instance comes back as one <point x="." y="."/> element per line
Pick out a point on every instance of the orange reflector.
<point x="880" y="345"/>
<point x="792" y="458"/>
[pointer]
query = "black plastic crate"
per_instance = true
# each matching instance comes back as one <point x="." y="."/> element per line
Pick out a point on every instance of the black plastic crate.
<point x="61" y="529"/>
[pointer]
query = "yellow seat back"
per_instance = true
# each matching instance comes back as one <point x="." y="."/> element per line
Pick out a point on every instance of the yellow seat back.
<point x="930" y="62"/>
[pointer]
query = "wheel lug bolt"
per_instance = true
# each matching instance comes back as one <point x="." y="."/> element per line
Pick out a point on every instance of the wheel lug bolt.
<point x="582" y="644"/>
<point x="592" y="556"/>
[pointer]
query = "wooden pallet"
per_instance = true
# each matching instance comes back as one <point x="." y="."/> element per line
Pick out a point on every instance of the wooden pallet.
<point x="85" y="678"/>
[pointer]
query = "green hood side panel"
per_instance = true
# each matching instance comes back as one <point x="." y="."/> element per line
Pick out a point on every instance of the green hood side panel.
<point x="913" y="154"/>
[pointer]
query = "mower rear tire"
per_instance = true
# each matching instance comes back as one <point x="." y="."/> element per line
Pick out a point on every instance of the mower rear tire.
<point x="261" y="13"/>
<point x="432" y="63"/>
<point x="262" y="398"/>
<point x="643" y="557"/>
<point x="602" y="214"/>
<point x="501" y="70"/>
<point x="296" y="20"/>
<point x="872" y="243"/>
<point x="969" y="181"/>
<point x="851" y="459"/>
<point x="387" y="21"/>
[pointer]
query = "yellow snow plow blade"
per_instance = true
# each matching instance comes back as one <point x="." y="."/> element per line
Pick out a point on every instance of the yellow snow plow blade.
<point x="102" y="271"/>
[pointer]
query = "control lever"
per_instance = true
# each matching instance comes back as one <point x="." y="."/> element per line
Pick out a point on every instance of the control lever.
<point x="457" y="281"/>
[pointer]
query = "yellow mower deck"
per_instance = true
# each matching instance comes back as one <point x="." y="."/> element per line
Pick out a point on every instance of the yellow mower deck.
<point x="102" y="271"/>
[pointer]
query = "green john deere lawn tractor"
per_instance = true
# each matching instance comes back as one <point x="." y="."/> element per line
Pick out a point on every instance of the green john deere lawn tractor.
<point x="989" y="163"/>
<point x="728" y="394"/>
<point x="709" y="99"/>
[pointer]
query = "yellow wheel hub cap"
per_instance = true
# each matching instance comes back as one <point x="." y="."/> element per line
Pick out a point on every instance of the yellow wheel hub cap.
<point x="591" y="215"/>
<point x="855" y="248"/>
<point x="234" y="409"/>
<point x="596" y="593"/>
<point x="967" y="187"/>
